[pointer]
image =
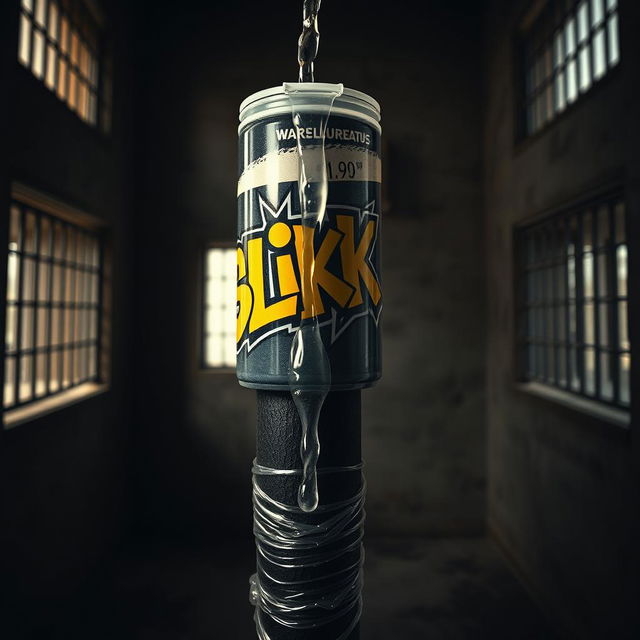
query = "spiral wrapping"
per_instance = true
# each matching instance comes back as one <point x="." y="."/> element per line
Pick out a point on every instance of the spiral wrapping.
<point x="298" y="545"/>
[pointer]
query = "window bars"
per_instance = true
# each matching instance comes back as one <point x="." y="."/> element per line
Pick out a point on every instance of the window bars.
<point x="53" y="321"/>
<point x="60" y="42"/>
<point x="570" y="46"/>
<point x="572" y="302"/>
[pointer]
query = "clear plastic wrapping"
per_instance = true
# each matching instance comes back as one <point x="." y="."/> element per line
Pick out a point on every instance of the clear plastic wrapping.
<point x="295" y="541"/>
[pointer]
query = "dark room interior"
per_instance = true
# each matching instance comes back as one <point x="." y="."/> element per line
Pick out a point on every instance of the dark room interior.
<point x="502" y="459"/>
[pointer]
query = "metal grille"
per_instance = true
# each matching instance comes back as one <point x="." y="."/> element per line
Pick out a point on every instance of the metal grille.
<point x="54" y="277"/>
<point x="572" y="302"/>
<point x="570" y="47"/>
<point x="219" y="309"/>
<point x="59" y="41"/>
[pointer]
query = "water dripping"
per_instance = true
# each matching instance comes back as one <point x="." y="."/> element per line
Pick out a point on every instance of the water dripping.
<point x="309" y="40"/>
<point x="310" y="369"/>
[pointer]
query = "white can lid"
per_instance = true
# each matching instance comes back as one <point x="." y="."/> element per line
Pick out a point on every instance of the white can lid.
<point x="310" y="96"/>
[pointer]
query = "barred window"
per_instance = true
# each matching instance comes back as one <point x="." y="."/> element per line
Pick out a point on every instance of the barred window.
<point x="53" y="316"/>
<point x="572" y="292"/>
<point x="59" y="41"/>
<point x="219" y="309"/>
<point x="568" y="47"/>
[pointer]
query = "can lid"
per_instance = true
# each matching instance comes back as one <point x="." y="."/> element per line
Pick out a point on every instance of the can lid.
<point x="309" y="96"/>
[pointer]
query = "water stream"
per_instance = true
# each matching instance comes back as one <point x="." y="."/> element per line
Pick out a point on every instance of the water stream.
<point x="310" y="369"/>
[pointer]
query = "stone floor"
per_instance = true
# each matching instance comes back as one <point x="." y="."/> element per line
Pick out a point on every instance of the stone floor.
<point x="436" y="589"/>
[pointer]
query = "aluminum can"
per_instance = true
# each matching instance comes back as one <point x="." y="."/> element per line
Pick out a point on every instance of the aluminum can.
<point x="346" y="282"/>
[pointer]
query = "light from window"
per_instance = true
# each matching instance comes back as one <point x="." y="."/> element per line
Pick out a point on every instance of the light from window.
<point x="570" y="46"/>
<point x="53" y="306"/>
<point x="573" y="312"/>
<point x="60" y="47"/>
<point x="219" y="322"/>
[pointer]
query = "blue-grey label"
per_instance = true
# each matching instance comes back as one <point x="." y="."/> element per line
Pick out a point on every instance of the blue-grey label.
<point x="345" y="292"/>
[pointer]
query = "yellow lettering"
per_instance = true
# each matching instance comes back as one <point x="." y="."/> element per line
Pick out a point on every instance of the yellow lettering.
<point x="336" y="288"/>
<point x="354" y="261"/>
<point x="254" y="312"/>
<point x="264" y="314"/>
<point x="287" y="280"/>
<point x="244" y="298"/>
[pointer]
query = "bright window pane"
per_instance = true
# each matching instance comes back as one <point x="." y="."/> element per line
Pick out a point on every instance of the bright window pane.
<point x="570" y="37"/>
<point x="24" y="386"/>
<point x="73" y="90"/>
<point x="75" y="44"/>
<point x="64" y="34"/>
<point x="583" y="23"/>
<point x="621" y="270"/>
<point x="24" y="41"/>
<point x="11" y="336"/>
<point x="596" y="12"/>
<point x="599" y="63"/>
<point x="585" y="69"/>
<point x="219" y="348"/>
<point x="560" y="98"/>
<point x="41" y="374"/>
<point x="614" y="46"/>
<point x="40" y="12"/>
<point x="53" y="21"/>
<point x="37" y="64"/>
<point x="62" y="79"/>
<point x="572" y="81"/>
<point x="9" y="381"/>
<point x="50" y="79"/>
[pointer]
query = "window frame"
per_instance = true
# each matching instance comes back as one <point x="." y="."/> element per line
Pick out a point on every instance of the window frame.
<point x="595" y="404"/>
<point x="81" y="16"/>
<point x="203" y="331"/>
<point x="43" y="205"/>
<point x="524" y="32"/>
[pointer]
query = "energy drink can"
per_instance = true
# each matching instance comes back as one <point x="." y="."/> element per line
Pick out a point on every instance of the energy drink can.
<point x="346" y="283"/>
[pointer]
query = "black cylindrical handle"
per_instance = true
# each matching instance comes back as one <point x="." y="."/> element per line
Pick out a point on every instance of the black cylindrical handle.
<point x="278" y="447"/>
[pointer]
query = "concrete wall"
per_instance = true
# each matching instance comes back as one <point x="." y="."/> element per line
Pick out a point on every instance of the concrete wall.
<point x="424" y="439"/>
<point x="563" y="487"/>
<point x="62" y="476"/>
